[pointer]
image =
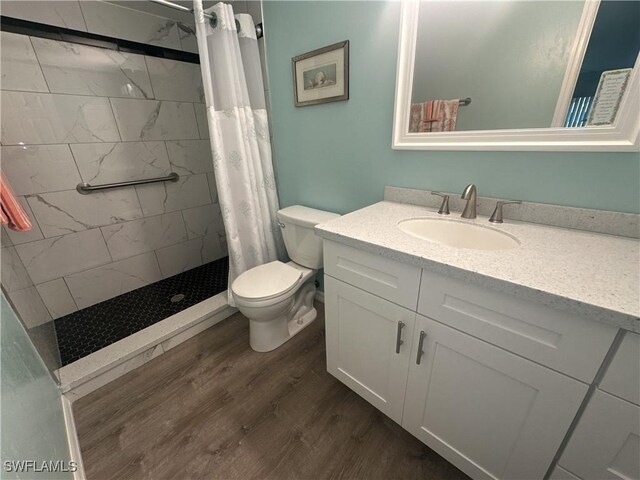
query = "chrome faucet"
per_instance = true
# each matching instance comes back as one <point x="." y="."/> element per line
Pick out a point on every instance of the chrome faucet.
<point x="470" y="195"/>
<point x="496" y="216"/>
<point x="444" y="206"/>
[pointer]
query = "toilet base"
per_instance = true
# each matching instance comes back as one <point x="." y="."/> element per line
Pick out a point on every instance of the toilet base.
<point x="297" y="324"/>
<point x="265" y="336"/>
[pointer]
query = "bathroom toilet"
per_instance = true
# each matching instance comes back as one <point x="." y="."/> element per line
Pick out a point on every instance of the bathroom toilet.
<point x="277" y="297"/>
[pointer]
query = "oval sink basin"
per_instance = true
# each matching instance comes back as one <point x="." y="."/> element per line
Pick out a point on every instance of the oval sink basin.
<point x="459" y="234"/>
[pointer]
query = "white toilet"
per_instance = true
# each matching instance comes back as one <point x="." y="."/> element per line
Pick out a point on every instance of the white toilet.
<point x="277" y="297"/>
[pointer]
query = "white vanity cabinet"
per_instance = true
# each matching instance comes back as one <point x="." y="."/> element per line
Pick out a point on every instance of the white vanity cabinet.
<point x="468" y="400"/>
<point x="499" y="380"/>
<point x="606" y="441"/>
<point x="559" y="340"/>
<point x="622" y="378"/>
<point x="368" y="345"/>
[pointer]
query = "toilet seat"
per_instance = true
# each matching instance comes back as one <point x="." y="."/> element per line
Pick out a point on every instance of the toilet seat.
<point x="266" y="282"/>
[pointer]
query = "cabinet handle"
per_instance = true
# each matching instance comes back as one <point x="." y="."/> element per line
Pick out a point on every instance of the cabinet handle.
<point x="399" y="336"/>
<point x="420" y="342"/>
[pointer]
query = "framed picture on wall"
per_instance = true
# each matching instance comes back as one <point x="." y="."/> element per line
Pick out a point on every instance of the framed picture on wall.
<point x="321" y="76"/>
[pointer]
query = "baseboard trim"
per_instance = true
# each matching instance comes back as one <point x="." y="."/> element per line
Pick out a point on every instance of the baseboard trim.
<point x="319" y="296"/>
<point x="72" y="439"/>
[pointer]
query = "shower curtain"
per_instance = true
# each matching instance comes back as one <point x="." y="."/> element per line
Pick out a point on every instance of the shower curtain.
<point x="239" y="133"/>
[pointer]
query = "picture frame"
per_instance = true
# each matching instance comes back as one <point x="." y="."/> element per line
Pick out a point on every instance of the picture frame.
<point x="322" y="75"/>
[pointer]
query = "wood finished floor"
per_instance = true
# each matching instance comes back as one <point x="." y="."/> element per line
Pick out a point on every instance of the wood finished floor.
<point x="212" y="408"/>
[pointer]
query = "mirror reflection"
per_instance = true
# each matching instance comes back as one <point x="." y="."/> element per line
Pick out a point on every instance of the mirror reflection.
<point x="506" y="64"/>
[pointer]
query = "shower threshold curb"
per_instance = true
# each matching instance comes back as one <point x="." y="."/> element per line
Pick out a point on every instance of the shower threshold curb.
<point x="89" y="373"/>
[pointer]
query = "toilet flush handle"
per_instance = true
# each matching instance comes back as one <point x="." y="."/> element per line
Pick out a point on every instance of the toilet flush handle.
<point x="281" y="225"/>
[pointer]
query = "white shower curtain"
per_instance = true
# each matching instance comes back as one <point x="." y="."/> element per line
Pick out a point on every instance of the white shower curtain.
<point x="239" y="133"/>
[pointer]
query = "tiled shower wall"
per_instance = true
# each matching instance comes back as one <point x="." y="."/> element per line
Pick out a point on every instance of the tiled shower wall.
<point x="73" y="113"/>
<point x="112" y="19"/>
<point x="135" y="20"/>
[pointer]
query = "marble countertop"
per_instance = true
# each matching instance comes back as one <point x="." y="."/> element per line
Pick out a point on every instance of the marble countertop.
<point x="590" y="274"/>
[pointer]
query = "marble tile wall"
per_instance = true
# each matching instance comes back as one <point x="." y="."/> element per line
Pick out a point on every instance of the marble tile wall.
<point x="137" y="21"/>
<point x="73" y="113"/>
<point x="107" y="19"/>
<point x="60" y="13"/>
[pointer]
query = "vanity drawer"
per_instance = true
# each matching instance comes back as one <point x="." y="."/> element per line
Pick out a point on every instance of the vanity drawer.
<point x="622" y="378"/>
<point x="560" y="340"/>
<point x="394" y="281"/>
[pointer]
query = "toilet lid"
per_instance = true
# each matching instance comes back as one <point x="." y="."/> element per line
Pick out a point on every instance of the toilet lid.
<point x="266" y="281"/>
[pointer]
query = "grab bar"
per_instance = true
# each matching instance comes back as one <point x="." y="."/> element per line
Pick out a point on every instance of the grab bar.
<point x="86" y="189"/>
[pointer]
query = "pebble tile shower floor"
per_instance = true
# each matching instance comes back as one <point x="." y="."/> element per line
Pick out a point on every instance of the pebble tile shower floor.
<point x="95" y="327"/>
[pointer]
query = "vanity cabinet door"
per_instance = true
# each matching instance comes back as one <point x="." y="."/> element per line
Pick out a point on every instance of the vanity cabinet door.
<point x="362" y="336"/>
<point x="623" y="375"/>
<point x="491" y="413"/>
<point x="606" y="441"/>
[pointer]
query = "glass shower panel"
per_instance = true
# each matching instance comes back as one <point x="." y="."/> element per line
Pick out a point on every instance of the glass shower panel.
<point x="32" y="425"/>
<point x="20" y="291"/>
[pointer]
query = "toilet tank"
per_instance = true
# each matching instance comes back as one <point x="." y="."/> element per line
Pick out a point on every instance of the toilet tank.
<point x="303" y="245"/>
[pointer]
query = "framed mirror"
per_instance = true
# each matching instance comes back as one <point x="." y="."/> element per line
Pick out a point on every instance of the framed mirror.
<point x="518" y="75"/>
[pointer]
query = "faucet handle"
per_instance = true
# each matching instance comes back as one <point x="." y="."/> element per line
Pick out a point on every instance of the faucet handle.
<point x="444" y="206"/>
<point x="496" y="216"/>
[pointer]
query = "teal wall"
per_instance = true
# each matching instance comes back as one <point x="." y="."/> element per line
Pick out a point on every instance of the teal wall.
<point x="32" y="423"/>
<point x="338" y="156"/>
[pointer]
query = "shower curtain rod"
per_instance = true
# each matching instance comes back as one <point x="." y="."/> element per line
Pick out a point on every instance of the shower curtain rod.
<point x="212" y="18"/>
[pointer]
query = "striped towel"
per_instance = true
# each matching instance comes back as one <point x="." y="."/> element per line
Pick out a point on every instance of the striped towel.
<point x="434" y="116"/>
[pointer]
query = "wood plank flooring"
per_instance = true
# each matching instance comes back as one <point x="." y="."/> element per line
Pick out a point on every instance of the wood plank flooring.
<point x="212" y="408"/>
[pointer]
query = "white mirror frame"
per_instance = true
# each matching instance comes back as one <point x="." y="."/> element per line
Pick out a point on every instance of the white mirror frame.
<point x="622" y="136"/>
